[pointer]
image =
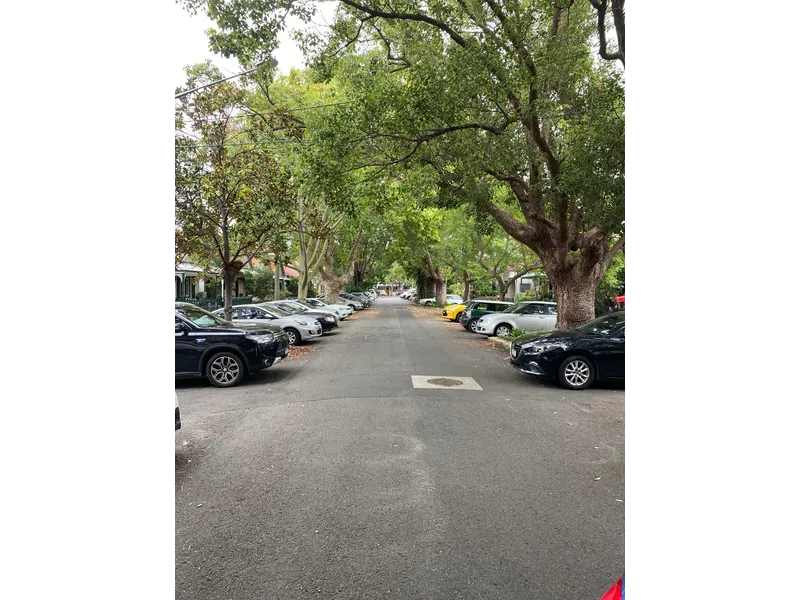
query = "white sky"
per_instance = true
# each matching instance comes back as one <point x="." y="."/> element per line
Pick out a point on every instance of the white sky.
<point x="190" y="45"/>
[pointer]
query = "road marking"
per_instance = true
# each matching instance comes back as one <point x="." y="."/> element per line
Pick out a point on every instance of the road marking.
<point x="422" y="382"/>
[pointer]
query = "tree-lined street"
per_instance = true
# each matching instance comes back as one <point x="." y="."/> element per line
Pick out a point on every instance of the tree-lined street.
<point x="331" y="476"/>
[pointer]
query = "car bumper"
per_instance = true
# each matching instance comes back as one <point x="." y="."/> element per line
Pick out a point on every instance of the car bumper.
<point x="307" y="334"/>
<point x="483" y="329"/>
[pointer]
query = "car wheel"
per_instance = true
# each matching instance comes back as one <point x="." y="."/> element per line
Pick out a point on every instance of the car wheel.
<point x="293" y="335"/>
<point x="502" y="331"/>
<point x="473" y="325"/>
<point x="426" y="304"/>
<point x="225" y="369"/>
<point x="458" y="317"/>
<point x="576" y="373"/>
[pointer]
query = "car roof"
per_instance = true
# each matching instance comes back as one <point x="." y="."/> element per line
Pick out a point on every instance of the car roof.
<point x="537" y="302"/>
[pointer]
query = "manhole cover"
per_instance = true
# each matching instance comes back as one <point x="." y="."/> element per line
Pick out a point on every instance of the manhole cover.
<point x="445" y="382"/>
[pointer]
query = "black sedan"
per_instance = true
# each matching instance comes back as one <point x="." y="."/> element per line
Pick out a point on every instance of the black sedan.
<point x="220" y="351"/>
<point x="326" y="320"/>
<point x="575" y="357"/>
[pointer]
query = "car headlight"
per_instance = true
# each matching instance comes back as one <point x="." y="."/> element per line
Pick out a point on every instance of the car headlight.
<point x="330" y="319"/>
<point x="308" y="323"/>
<point x="262" y="338"/>
<point x="535" y="348"/>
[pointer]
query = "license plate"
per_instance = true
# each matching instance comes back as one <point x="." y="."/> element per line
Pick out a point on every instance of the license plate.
<point x="513" y="353"/>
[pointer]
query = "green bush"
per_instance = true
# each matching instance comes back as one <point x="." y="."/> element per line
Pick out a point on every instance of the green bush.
<point x="286" y="294"/>
<point x="515" y="333"/>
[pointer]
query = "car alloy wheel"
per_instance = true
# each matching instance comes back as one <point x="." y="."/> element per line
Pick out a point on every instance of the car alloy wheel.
<point x="458" y="317"/>
<point x="292" y="335"/>
<point x="502" y="331"/>
<point x="576" y="373"/>
<point x="225" y="370"/>
<point x="473" y="326"/>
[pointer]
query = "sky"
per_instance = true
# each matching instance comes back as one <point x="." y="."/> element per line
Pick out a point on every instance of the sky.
<point x="191" y="44"/>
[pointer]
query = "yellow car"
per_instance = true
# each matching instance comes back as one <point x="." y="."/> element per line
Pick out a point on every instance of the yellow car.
<point x="453" y="311"/>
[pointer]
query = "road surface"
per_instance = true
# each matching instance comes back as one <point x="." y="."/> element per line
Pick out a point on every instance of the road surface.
<point x="332" y="476"/>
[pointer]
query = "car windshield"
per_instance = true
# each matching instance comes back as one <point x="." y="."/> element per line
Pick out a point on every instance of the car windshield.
<point x="281" y="309"/>
<point x="603" y="325"/>
<point x="272" y="311"/>
<point x="198" y="316"/>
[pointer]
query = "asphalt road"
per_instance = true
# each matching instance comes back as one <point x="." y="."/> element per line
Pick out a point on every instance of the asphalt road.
<point x="330" y="476"/>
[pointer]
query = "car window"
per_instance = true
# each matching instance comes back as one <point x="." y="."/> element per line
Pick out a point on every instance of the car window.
<point x="482" y="306"/>
<point x="550" y="309"/>
<point x="200" y="317"/>
<point x="604" y="325"/>
<point x="533" y="309"/>
<point x="247" y="312"/>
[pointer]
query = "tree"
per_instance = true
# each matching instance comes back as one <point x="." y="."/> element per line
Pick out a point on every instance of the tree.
<point x="498" y="255"/>
<point x="231" y="195"/>
<point x="476" y="92"/>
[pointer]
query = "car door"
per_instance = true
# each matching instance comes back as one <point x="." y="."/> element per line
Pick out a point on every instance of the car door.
<point x="187" y="359"/>
<point x="531" y="316"/>
<point x="608" y="352"/>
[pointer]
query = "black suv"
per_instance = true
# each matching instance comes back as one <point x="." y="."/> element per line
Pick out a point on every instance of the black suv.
<point x="224" y="353"/>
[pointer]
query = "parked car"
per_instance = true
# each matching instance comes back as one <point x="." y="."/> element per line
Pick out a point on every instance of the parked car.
<point x="317" y="303"/>
<point x="526" y="315"/>
<point x="454" y="311"/>
<point x="362" y="299"/>
<point x="355" y="304"/>
<point x="327" y="321"/>
<point x="578" y="357"/>
<point x="405" y="295"/>
<point x="296" y="327"/>
<point x="475" y="309"/>
<point x="174" y="413"/>
<point x="224" y="353"/>
<point x="334" y="312"/>
<point x="450" y="299"/>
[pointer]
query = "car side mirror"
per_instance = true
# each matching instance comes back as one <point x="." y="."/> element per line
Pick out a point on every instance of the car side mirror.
<point x="180" y="328"/>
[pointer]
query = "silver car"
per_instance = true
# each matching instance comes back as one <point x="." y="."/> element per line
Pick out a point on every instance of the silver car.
<point x="531" y="316"/>
<point x="296" y="327"/>
<point x="335" y="313"/>
<point x="315" y="303"/>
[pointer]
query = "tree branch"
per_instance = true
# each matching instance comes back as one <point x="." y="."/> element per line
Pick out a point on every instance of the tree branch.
<point x="409" y="17"/>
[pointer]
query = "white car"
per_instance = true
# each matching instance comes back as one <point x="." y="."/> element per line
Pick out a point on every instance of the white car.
<point x="408" y="293"/>
<point x="334" y="312"/>
<point x="530" y="316"/>
<point x="344" y="310"/>
<point x="296" y="327"/>
<point x="451" y="299"/>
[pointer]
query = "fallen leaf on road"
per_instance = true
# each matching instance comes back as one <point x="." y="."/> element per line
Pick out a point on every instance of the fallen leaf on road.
<point x="618" y="500"/>
<point x="199" y="505"/>
<point x="597" y="479"/>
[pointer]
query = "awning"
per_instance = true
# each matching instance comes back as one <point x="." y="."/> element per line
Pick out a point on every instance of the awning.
<point x="620" y="299"/>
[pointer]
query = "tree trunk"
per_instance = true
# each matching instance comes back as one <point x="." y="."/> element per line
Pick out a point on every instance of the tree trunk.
<point x="575" y="299"/>
<point x="332" y="289"/>
<point x="440" y="285"/>
<point x="229" y="277"/>
<point x="302" y="285"/>
<point x="277" y="289"/>
<point x="467" y="290"/>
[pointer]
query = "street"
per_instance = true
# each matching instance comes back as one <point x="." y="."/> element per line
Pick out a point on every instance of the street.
<point x="332" y="476"/>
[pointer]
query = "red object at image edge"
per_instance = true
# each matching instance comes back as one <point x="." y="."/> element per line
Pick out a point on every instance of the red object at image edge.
<point x="614" y="592"/>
